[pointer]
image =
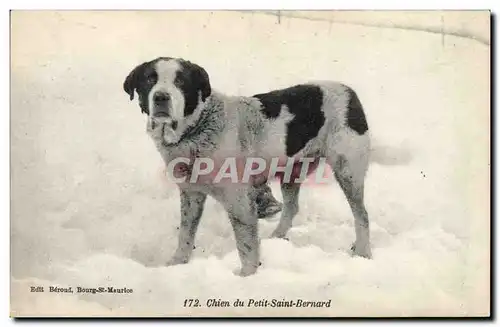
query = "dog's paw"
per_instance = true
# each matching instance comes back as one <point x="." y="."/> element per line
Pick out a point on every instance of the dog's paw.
<point x="279" y="234"/>
<point x="245" y="271"/>
<point x="176" y="261"/>
<point x="364" y="252"/>
<point x="281" y="230"/>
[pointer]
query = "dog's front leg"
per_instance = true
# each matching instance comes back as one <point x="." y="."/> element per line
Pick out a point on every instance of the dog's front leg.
<point x="243" y="219"/>
<point x="192" y="204"/>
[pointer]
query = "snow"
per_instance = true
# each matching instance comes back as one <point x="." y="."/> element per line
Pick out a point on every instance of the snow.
<point x="91" y="208"/>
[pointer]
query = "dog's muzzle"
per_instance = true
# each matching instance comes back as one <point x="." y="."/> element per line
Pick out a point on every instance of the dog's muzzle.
<point x="161" y="110"/>
<point x="161" y="105"/>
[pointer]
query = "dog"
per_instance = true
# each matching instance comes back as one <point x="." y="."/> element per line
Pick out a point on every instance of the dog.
<point x="187" y="118"/>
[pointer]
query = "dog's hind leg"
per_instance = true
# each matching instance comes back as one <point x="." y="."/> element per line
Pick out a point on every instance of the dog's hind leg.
<point x="192" y="204"/>
<point x="350" y="168"/>
<point x="290" y="192"/>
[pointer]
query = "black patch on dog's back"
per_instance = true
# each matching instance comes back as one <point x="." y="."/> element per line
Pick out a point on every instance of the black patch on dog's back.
<point x="356" y="119"/>
<point x="304" y="102"/>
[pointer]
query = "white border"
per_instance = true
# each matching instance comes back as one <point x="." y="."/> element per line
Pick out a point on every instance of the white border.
<point x="255" y="4"/>
<point x="185" y="4"/>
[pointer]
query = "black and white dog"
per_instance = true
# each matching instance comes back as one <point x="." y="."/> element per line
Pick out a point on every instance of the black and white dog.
<point x="187" y="118"/>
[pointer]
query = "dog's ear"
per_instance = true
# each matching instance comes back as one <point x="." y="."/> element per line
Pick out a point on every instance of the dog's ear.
<point x="132" y="80"/>
<point x="204" y="82"/>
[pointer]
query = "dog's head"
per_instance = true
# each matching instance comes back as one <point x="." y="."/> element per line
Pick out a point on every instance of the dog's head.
<point x="170" y="92"/>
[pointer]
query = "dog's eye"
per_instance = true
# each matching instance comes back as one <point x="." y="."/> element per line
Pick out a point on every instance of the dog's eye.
<point x="151" y="78"/>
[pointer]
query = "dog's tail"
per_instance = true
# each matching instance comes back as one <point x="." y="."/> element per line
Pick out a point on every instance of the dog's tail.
<point x="388" y="155"/>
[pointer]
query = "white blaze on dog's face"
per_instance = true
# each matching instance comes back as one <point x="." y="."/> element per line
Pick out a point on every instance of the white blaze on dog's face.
<point x="173" y="105"/>
<point x="170" y="92"/>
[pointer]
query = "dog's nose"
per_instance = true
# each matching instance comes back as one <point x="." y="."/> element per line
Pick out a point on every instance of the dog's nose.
<point x="161" y="98"/>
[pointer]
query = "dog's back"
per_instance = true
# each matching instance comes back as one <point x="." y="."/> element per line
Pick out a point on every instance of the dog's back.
<point x="299" y="120"/>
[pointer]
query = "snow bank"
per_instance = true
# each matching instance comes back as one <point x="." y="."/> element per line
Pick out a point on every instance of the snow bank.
<point x="466" y="23"/>
<point x="91" y="208"/>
